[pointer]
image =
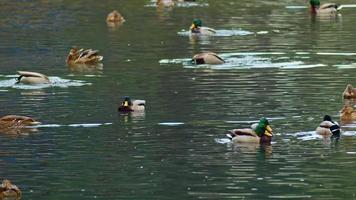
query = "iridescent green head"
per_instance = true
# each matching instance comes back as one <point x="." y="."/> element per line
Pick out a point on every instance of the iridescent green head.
<point x="197" y="22"/>
<point x="264" y="121"/>
<point x="314" y="2"/>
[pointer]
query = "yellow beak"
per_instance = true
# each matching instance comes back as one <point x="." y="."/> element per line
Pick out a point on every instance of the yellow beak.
<point x="126" y="104"/>
<point x="268" y="131"/>
<point x="192" y="26"/>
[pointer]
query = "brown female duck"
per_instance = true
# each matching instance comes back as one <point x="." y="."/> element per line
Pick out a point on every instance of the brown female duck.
<point x="347" y="113"/>
<point x="9" y="191"/>
<point x="115" y="17"/>
<point x="81" y="56"/>
<point x="350" y="92"/>
<point x="16" y="122"/>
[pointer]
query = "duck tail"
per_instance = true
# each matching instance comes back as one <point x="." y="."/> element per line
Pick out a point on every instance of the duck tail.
<point x="18" y="79"/>
<point x="230" y="135"/>
<point x="338" y="7"/>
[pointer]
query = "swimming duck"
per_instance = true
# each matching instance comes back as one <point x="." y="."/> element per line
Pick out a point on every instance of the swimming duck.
<point x="115" y="16"/>
<point x="327" y="8"/>
<point x="129" y="105"/>
<point x="328" y="127"/>
<point x="347" y="113"/>
<point x="81" y="56"/>
<point x="167" y="3"/>
<point x="32" y="78"/>
<point x="197" y="28"/>
<point x="350" y="92"/>
<point x="258" y="133"/>
<point x="9" y="191"/>
<point x="207" y="58"/>
<point x="16" y="122"/>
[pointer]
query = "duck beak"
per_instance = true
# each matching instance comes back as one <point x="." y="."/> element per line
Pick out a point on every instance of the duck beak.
<point x="126" y="103"/>
<point x="192" y="26"/>
<point x="268" y="131"/>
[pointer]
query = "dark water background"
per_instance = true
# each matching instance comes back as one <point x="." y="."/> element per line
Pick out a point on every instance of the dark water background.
<point x="282" y="63"/>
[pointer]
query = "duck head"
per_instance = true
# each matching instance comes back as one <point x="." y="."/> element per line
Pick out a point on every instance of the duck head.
<point x="314" y="5"/>
<point x="126" y="105"/>
<point x="327" y="118"/>
<point x="265" y="128"/>
<point x="197" y="23"/>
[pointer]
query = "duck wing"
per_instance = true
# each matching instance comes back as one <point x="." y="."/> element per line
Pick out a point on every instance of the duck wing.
<point x="216" y="56"/>
<point x="329" y="5"/>
<point x="245" y="131"/>
<point x="139" y="102"/>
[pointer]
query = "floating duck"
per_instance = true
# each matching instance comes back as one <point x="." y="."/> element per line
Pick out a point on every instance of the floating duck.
<point x="81" y="56"/>
<point x="197" y="28"/>
<point x="350" y="92"/>
<point x="32" y="78"/>
<point x="258" y="133"/>
<point x="328" y="8"/>
<point x="9" y="191"/>
<point x="347" y="113"/>
<point x="115" y="16"/>
<point x="328" y="127"/>
<point x="129" y="105"/>
<point x="207" y="58"/>
<point x="16" y="122"/>
<point x="167" y="3"/>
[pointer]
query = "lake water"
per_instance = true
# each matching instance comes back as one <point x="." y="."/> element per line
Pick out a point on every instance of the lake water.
<point x="282" y="63"/>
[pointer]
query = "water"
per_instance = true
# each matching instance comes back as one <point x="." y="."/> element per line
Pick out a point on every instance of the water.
<point x="290" y="67"/>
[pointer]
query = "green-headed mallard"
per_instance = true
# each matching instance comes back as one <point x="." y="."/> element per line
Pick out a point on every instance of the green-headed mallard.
<point x="83" y="56"/>
<point x="259" y="133"/>
<point x="347" y="113"/>
<point x="32" y="78"/>
<point x="327" y="8"/>
<point x="9" y="191"/>
<point x="129" y="105"/>
<point x="328" y="127"/>
<point x="350" y="92"/>
<point x="207" y="58"/>
<point x="115" y="16"/>
<point x="197" y="28"/>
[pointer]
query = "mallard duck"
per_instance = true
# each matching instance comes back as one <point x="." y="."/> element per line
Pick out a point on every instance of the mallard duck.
<point x="81" y="56"/>
<point x="32" y="78"/>
<point x="129" y="105"/>
<point x="9" y="191"/>
<point x="347" y="113"/>
<point x="115" y="16"/>
<point x="258" y="133"/>
<point x="328" y="127"/>
<point x="16" y="122"/>
<point x="350" y="92"/>
<point x="207" y="58"/>
<point x="167" y="3"/>
<point x="197" y="28"/>
<point x="327" y="8"/>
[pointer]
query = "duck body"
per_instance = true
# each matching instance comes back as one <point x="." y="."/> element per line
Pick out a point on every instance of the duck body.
<point x="197" y="29"/>
<point x="83" y="56"/>
<point x="167" y="3"/>
<point x="129" y="105"/>
<point x="347" y="113"/>
<point x="207" y="58"/>
<point x="32" y="78"/>
<point x="350" y="92"/>
<point x="259" y="133"/>
<point x="327" y="8"/>
<point x="16" y="121"/>
<point x="328" y="127"/>
<point x="115" y="17"/>
<point x="9" y="191"/>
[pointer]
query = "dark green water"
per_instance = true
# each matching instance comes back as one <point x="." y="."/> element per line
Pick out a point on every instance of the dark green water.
<point x="281" y="63"/>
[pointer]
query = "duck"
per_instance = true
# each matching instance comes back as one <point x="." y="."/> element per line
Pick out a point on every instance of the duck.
<point x="350" y="92"/>
<point x="260" y="133"/>
<point x="197" y="28"/>
<point x="328" y="127"/>
<point x="16" y="122"/>
<point x="115" y="17"/>
<point x="207" y="58"/>
<point x="129" y="105"/>
<point x="167" y="3"/>
<point x="327" y="8"/>
<point x="83" y="56"/>
<point x="347" y="113"/>
<point x="9" y="191"/>
<point x="27" y="77"/>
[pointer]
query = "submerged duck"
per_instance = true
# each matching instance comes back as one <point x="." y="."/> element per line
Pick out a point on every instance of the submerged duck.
<point x="32" y="78"/>
<point x="9" y="191"/>
<point x="207" y="58"/>
<point x="81" y="56"/>
<point x="258" y="133"/>
<point x="350" y="92"/>
<point x="129" y="105"/>
<point x="347" y="113"/>
<point x="327" y="8"/>
<point x="16" y="122"/>
<point x="328" y="127"/>
<point x="115" y="16"/>
<point x="197" y="28"/>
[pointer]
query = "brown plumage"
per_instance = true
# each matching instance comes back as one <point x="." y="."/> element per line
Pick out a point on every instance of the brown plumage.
<point x="347" y="113"/>
<point x="16" y="121"/>
<point x="207" y="58"/>
<point x="9" y="191"/>
<point x="115" y="16"/>
<point x="350" y="92"/>
<point x="81" y="56"/>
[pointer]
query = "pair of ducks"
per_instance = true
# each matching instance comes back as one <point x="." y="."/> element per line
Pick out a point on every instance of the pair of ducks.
<point x="9" y="191"/>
